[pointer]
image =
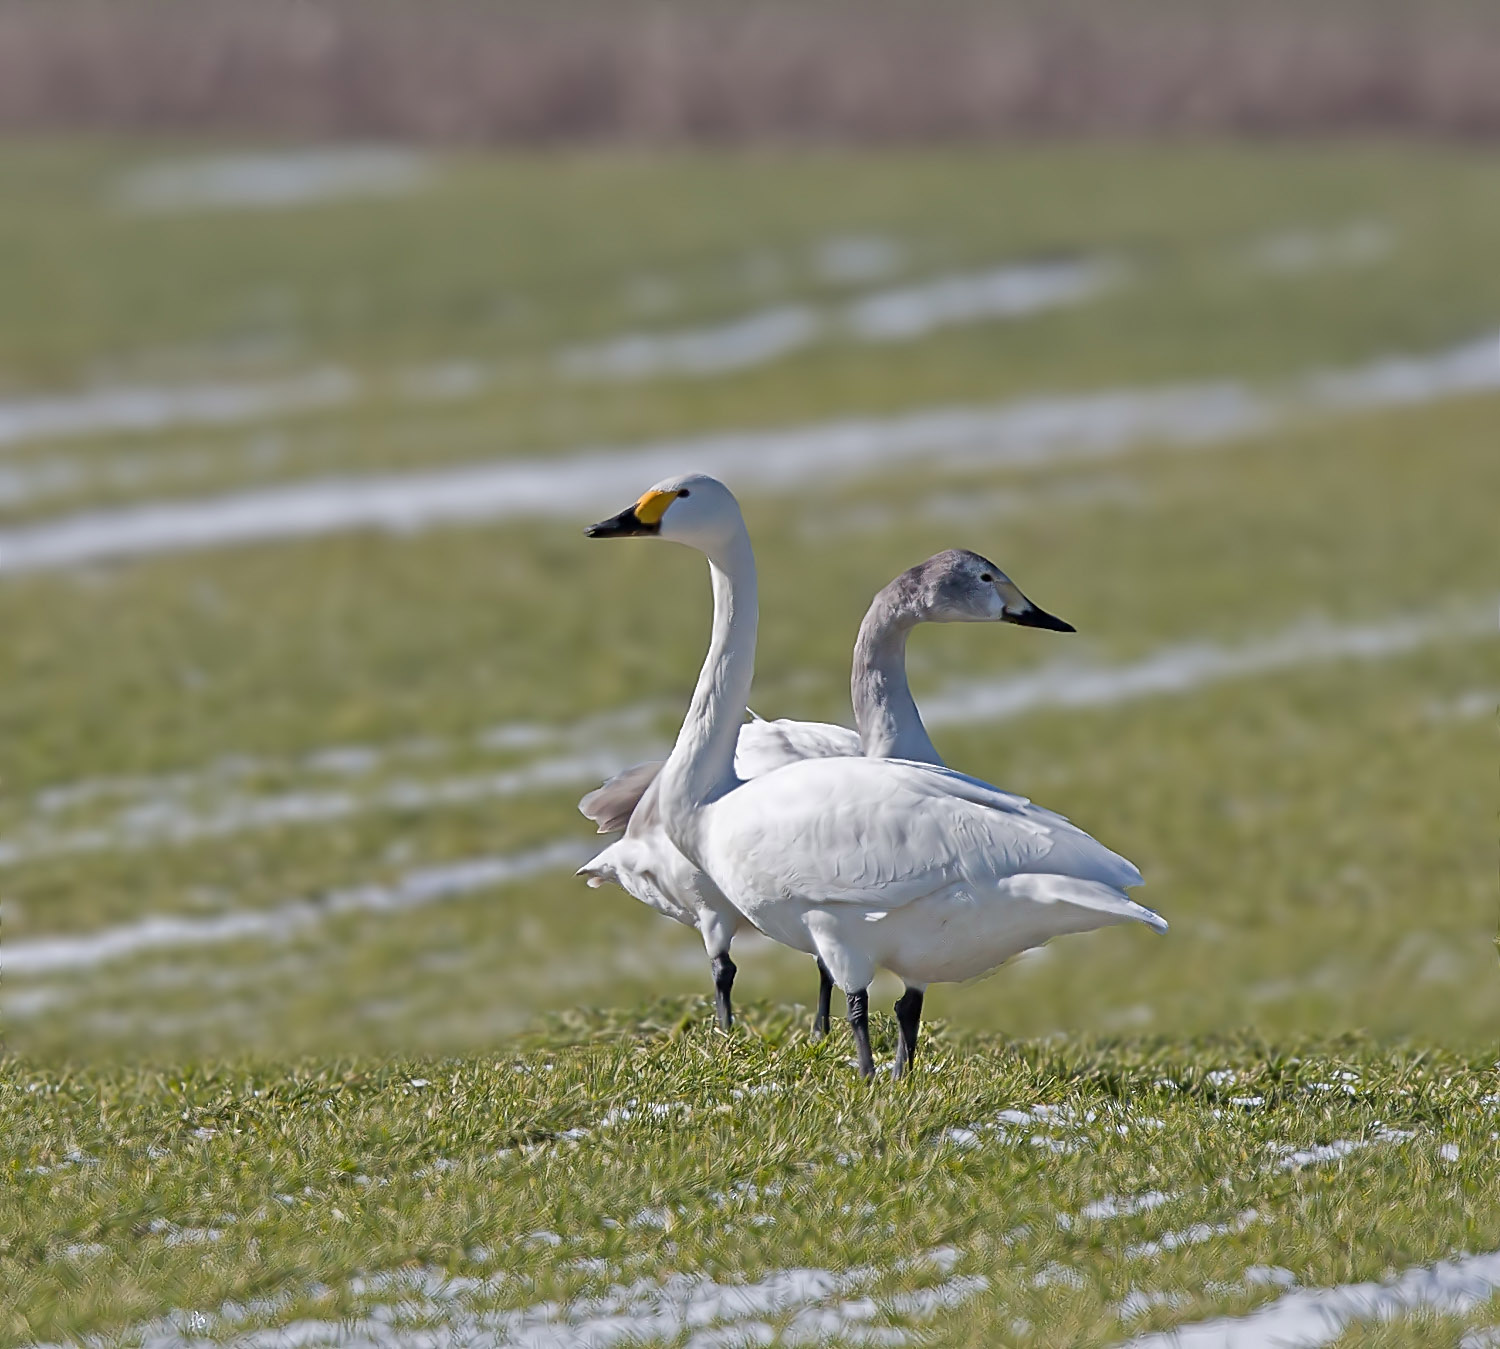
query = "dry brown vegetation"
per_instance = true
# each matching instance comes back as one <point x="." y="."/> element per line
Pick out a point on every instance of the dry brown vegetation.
<point x="497" y="71"/>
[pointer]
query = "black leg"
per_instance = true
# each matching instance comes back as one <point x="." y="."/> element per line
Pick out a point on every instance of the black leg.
<point x="825" y="998"/>
<point x="859" y="1023"/>
<point x="908" y="1020"/>
<point x="723" y="968"/>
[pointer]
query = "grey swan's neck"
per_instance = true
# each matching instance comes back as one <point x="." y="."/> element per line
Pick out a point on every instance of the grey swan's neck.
<point x="890" y="727"/>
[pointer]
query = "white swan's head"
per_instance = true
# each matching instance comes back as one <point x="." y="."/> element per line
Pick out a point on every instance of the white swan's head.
<point x="958" y="586"/>
<point x="691" y="508"/>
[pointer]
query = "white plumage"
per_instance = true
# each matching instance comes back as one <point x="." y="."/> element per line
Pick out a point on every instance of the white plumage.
<point x="864" y="863"/>
<point x="917" y="869"/>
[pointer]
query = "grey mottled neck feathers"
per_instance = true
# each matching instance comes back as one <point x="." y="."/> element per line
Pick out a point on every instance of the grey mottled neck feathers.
<point x="890" y="727"/>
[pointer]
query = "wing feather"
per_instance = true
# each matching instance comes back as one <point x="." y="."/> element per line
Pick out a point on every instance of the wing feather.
<point x="611" y="806"/>
<point x="768" y="745"/>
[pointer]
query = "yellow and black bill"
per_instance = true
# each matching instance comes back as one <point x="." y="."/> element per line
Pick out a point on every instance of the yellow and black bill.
<point x="642" y="519"/>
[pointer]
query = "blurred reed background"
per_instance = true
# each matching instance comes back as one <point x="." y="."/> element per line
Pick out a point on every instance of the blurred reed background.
<point x="497" y="72"/>
<point x="325" y="327"/>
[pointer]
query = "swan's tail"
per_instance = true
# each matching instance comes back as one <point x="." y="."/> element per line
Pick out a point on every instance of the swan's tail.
<point x="600" y="869"/>
<point x="1089" y="904"/>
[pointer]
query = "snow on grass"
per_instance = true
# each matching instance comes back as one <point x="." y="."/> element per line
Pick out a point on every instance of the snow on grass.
<point x="169" y="821"/>
<point x="169" y="809"/>
<point x="1059" y="1129"/>
<point x="351" y="760"/>
<point x="273" y="181"/>
<point x="429" y="1309"/>
<point x="1360" y="243"/>
<point x="902" y="315"/>
<point x="1308" y="1317"/>
<point x="736" y="345"/>
<point x="1023" y="433"/>
<point x="1124" y="1206"/>
<point x="1182" y="668"/>
<point x="1292" y="1158"/>
<point x="1012" y="292"/>
<point x="158" y="408"/>
<point x="1470" y="706"/>
<point x="422" y="886"/>
<point x="853" y="259"/>
<point x="1195" y="1235"/>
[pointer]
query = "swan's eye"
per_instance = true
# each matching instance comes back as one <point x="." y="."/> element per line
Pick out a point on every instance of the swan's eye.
<point x="684" y="493"/>
<point x="986" y="578"/>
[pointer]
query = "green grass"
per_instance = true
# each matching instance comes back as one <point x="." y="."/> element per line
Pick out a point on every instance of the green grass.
<point x="737" y="1157"/>
<point x="1320" y="837"/>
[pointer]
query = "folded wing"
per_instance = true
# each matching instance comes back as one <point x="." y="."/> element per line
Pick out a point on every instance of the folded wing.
<point x="885" y="833"/>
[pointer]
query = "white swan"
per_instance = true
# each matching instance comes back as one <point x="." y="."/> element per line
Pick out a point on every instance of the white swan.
<point x="956" y="586"/>
<point x="865" y="863"/>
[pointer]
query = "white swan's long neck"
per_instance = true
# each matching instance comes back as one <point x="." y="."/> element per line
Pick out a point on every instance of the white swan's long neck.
<point x="700" y="768"/>
<point x="890" y="727"/>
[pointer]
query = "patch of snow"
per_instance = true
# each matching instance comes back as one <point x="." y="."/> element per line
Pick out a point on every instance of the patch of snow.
<point x="1195" y="1235"/>
<point x="737" y="345"/>
<point x="1055" y="1274"/>
<point x="84" y="1250"/>
<point x="1466" y="706"/>
<point x="851" y="259"/>
<point x="174" y="1235"/>
<point x="445" y="381"/>
<point x="1138" y="1302"/>
<point x="1059" y="1129"/>
<point x="273" y="181"/>
<point x="429" y="1309"/>
<point x="1298" y="252"/>
<point x="1319" y="1154"/>
<point x="1123" y="1206"/>
<point x="976" y="507"/>
<point x="1308" y="1317"/>
<point x="1000" y="293"/>
<point x="1270" y="1276"/>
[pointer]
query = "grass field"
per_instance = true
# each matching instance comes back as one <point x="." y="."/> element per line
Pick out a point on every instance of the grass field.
<point x="287" y="824"/>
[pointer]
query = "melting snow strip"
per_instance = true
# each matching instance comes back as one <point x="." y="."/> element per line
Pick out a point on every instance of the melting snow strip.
<point x="1001" y="293"/>
<point x="736" y="345"/>
<point x="1021" y="433"/>
<point x="420" y="887"/>
<point x="346" y="760"/>
<point x="273" y="181"/>
<point x="1195" y="1235"/>
<point x="167" y="821"/>
<point x="155" y="409"/>
<point x="1181" y="669"/>
<point x="158" y="814"/>
<point x="1298" y="252"/>
<point x="901" y="315"/>
<point x="1308" y="1317"/>
<point x="426" y="1309"/>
